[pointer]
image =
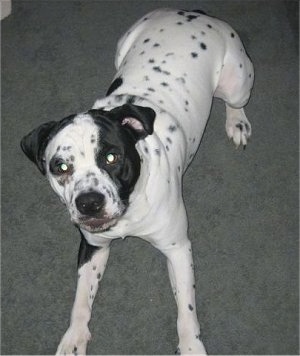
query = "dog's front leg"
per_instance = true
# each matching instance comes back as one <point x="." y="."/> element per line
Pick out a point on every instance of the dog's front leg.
<point x="91" y="265"/>
<point x="181" y="273"/>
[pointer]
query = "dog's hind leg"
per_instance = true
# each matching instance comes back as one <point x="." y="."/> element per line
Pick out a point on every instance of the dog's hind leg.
<point x="91" y="262"/>
<point x="234" y="87"/>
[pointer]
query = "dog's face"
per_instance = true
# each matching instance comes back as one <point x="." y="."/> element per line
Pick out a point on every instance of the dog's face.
<point x="91" y="161"/>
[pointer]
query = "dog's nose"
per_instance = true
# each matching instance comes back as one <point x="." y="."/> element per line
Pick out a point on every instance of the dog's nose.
<point x="90" y="203"/>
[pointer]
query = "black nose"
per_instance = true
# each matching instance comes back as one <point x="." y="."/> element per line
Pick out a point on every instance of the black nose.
<point x="90" y="203"/>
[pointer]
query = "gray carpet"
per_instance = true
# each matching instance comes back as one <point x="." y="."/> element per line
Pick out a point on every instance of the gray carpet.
<point x="57" y="58"/>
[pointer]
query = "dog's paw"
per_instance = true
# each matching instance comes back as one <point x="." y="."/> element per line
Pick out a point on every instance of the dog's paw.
<point x="194" y="347"/>
<point x="74" y="342"/>
<point x="238" y="127"/>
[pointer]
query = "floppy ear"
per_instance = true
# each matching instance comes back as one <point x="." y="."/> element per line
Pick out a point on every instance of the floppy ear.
<point x="139" y="119"/>
<point x="34" y="144"/>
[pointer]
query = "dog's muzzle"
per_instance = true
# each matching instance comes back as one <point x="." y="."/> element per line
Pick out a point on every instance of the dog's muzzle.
<point x="91" y="206"/>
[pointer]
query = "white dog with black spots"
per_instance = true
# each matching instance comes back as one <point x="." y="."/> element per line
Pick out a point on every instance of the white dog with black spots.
<point x="118" y="167"/>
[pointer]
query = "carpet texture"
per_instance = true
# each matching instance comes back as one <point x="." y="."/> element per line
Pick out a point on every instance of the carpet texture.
<point x="57" y="58"/>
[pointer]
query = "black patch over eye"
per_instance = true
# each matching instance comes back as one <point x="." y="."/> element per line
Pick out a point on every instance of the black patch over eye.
<point x="111" y="158"/>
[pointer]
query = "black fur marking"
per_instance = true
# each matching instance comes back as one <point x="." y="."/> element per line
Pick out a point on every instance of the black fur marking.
<point x="178" y="352"/>
<point x="239" y="126"/>
<point x="203" y="45"/>
<point x="194" y="54"/>
<point x="120" y="139"/>
<point x="191" y="18"/>
<point x="157" y="69"/>
<point x="86" y="251"/>
<point x="199" y="12"/>
<point x="114" y="85"/>
<point x="131" y="99"/>
<point x="191" y="307"/>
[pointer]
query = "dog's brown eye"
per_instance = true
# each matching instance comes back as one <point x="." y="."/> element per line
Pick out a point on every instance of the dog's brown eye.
<point x="63" y="168"/>
<point x="111" y="158"/>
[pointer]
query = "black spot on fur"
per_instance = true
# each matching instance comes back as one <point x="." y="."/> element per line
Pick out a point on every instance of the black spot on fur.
<point x="86" y="252"/>
<point x="199" y="12"/>
<point x="194" y="54"/>
<point x="232" y="35"/>
<point x="114" y="85"/>
<point x="191" y="307"/>
<point x="130" y="99"/>
<point x="146" y="40"/>
<point x="203" y="45"/>
<point x="191" y="18"/>
<point x="239" y="126"/>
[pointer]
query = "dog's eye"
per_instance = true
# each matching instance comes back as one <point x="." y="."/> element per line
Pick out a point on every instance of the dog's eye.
<point x="63" y="168"/>
<point x="111" y="158"/>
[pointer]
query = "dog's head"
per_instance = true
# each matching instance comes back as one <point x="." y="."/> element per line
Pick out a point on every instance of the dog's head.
<point x="91" y="161"/>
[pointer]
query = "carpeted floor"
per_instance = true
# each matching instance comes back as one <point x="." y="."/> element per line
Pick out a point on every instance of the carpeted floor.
<point x="57" y="58"/>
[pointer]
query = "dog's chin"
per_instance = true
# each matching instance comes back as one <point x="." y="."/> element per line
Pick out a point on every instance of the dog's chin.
<point x="96" y="224"/>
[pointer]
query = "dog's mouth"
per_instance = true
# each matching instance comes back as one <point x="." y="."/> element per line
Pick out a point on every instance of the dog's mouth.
<point x="94" y="224"/>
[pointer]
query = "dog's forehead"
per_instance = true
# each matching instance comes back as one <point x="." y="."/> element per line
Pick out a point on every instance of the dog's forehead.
<point x="80" y="135"/>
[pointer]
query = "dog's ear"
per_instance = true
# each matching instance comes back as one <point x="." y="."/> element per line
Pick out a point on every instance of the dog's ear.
<point x="139" y="119"/>
<point x="34" y="144"/>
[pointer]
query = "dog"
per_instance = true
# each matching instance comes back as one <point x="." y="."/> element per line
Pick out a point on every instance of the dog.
<point x="118" y="167"/>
